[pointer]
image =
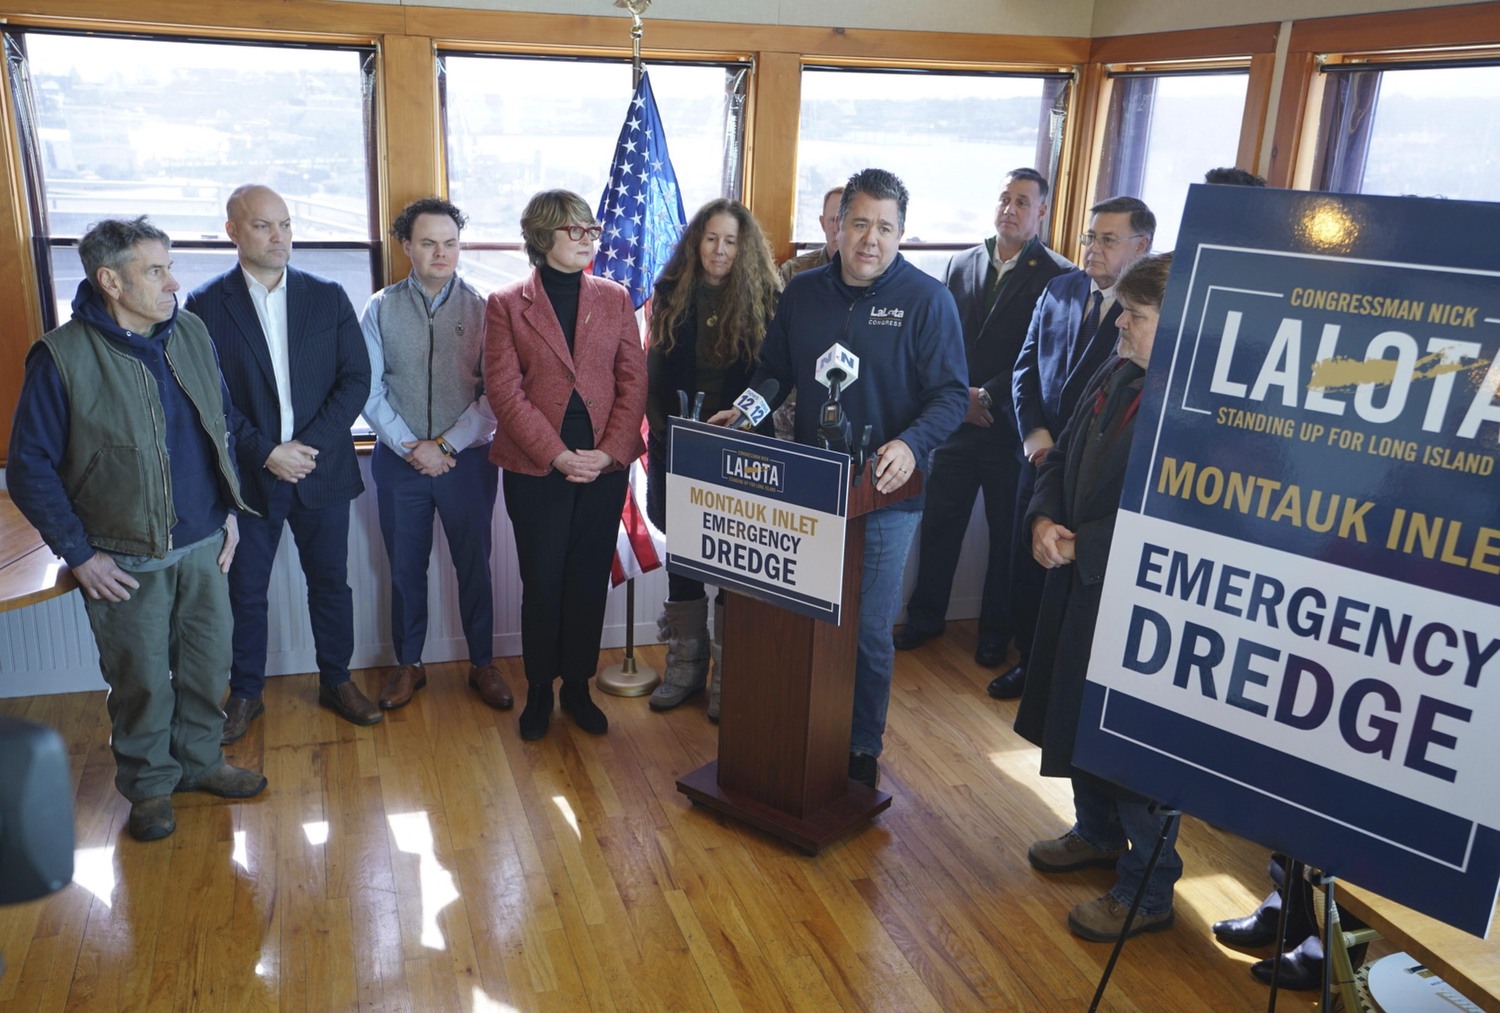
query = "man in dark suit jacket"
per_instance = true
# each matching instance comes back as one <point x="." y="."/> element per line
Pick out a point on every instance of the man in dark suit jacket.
<point x="1072" y="334"/>
<point x="297" y="370"/>
<point x="996" y="285"/>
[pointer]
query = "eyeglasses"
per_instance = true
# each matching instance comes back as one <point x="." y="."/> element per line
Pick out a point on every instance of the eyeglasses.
<point x="577" y="232"/>
<point x="1106" y="241"/>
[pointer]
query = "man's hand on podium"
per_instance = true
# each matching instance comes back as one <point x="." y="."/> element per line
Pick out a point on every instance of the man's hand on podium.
<point x="894" y="464"/>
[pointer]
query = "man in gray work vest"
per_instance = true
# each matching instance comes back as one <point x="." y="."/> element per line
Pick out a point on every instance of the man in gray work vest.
<point x="425" y="336"/>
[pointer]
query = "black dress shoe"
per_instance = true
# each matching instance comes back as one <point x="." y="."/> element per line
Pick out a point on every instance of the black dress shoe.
<point x="1008" y="684"/>
<point x="536" y="716"/>
<point x="1299" y="973"/>
<point x="1250" y="931"/>
<point x="577" y="704"/>
<point x="910" y="638"/>
<point x="990" y="655"/>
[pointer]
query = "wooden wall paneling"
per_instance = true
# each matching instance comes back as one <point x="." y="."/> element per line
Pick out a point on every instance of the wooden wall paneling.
<point x="411" y="141"/>
<point x="1467" y="25"/>
<point x="18" y="282"/>
<point x="771" y="147"/>
<point x="1198" y="44"/>
<point x="516" y="30"/>
<point x="1257" y="105"/>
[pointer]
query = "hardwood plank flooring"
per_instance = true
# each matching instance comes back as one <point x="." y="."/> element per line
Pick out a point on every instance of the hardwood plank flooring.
<point x="436" y="862"/>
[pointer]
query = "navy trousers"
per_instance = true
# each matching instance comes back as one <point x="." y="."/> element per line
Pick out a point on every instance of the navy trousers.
<point x="464" y="499"/>
<point x="322" y="538"/>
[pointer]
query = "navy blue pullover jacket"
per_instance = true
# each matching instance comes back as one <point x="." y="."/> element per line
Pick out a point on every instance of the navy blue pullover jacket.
<point x="913" y="382"/>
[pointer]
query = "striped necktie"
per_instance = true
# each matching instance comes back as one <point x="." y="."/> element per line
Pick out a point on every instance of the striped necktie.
<point x="1087" y="328"/>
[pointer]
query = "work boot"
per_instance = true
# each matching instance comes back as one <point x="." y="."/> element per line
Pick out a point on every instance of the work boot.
<point x="716" y="652"/>
<point x="684" y="626"/>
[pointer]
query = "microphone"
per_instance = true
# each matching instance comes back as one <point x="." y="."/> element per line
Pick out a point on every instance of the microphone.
<point x="837" y="368"/>
<point x="752" y="407"/>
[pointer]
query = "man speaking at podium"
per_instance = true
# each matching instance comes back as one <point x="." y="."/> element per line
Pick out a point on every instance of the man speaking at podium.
<point x="911" y="388"/>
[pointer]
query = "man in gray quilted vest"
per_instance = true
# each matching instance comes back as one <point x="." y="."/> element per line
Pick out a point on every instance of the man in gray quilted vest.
<point x="120" y="457"/>
<point x="425" y="336"/>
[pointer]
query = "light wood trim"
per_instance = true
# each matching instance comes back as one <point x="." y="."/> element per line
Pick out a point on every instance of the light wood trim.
<point x="771" y="147"/>
<point x="22" y="321"/>
<point x="1257" y="105"/>
<point x="1291" y="115"/>
<point x="1153" y="47"/>
<point x="1077" y="176"/>
<point x="411" y="142"/>
<point x="1471" y="24"/>
<point x="455" y="26"/>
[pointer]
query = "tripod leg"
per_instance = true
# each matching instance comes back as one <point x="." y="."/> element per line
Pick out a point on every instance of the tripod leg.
<point x="1168" y="824"/>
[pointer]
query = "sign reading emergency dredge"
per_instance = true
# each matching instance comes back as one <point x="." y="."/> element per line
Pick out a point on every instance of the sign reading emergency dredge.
<point x="1300" y="637"/>
<point x="756" y="515"/>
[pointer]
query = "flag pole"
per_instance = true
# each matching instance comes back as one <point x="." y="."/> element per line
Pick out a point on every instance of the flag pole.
<point x="628" y="678"/>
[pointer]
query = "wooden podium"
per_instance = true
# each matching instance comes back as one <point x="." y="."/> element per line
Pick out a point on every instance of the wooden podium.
<point x="786" y="706"/>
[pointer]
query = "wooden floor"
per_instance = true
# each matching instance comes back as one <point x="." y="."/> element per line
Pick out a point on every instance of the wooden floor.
<point x="437" y="862"/>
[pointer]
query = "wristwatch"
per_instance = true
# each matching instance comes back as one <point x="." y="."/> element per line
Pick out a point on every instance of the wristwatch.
<point x="985" y="401"/>
<point x="446" y="448"/>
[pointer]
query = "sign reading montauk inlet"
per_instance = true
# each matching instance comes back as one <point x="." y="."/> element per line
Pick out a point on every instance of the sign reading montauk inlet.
<point x="761" y="516"/>
<point x="1300" y="636"/>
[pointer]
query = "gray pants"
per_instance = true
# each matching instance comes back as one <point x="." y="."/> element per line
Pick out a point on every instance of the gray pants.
<point x="165" y="655"/>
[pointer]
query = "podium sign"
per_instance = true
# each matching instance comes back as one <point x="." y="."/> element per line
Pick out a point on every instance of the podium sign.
<point x="760" y="516"/>
<point x="1300" y="631"/>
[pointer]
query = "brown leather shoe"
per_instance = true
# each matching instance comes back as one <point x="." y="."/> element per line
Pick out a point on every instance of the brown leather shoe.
<point x="401" y="684"/>
<point x="487" y="681"/>
<point x="237" y="717"/>
<point x="349" y="703"/>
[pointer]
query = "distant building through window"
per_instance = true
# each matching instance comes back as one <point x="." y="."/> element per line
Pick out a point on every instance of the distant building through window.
<point x="119" y="127"/>
<point x="517" y="125"/>
<point x="950" y="136"/>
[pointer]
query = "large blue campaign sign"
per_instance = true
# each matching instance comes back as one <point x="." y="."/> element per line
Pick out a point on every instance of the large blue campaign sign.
<point x="1300" y="634"/>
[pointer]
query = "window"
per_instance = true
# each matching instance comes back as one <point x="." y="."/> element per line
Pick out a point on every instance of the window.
<point x="116" y="126"/>
<point x="516" y="125"/>
<point x="1164" y="131"/>
<point x="950" y="136"/>
<point x="1425" y="129"/>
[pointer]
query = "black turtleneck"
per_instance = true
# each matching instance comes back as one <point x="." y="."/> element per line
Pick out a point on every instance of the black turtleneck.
<point x="562" y="292"/>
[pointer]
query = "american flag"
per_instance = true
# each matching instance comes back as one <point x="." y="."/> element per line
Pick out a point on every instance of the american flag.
<point x="641" y="209"/>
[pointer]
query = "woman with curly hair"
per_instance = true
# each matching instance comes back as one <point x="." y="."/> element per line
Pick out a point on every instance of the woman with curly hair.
<point x="709" y="313"/>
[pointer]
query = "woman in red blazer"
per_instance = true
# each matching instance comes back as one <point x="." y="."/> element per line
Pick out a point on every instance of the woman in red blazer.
<point x="566" y="375"/>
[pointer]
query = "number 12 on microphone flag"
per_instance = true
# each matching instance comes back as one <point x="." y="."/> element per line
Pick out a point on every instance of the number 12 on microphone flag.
<point x="641" y="208"/>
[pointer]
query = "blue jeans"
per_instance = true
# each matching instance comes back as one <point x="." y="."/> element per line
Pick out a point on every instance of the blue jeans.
<point x="1109" y="823"/>
<point x="888" y="535"/>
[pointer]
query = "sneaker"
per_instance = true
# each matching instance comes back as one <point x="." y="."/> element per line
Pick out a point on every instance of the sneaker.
<point x="865" y="769"/>
<point x="1069" y="852"/>
<point x="152" y="818"/>
<point x="1102" y="919"/>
